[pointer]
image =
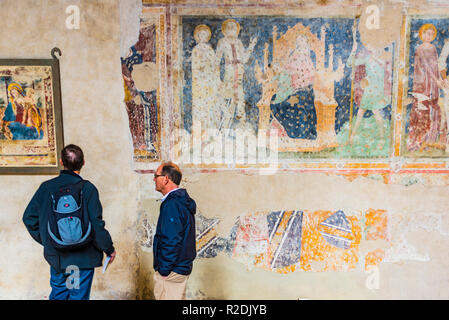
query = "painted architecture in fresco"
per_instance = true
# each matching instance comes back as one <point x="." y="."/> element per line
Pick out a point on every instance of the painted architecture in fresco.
<point x="296" y="75"/>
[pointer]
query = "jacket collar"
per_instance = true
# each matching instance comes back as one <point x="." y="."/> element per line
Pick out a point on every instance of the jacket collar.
<point x="166" y="195"/>
<point x="70" y="173"/>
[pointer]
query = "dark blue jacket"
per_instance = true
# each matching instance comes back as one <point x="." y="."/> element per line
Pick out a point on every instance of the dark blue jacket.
<point x="35" y="219"/>
<point x="174" y="246"/>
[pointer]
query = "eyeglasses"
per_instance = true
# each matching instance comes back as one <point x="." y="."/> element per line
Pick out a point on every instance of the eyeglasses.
<point x="158" y="175"/>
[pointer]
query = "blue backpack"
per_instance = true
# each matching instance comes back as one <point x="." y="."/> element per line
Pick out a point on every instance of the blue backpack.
<point x="69" y="226"/>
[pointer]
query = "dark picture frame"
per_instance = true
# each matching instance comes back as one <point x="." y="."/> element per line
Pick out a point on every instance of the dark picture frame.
<point x="31" y="126"/>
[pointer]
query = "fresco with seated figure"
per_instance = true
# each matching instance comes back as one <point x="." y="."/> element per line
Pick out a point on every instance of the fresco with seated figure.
<point x="313" y="80"/>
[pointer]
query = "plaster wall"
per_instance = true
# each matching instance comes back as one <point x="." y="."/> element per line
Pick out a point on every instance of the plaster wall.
<point x="415" y="263"/>
<point x="412" y="263"/>
<point x="93" y="118"/>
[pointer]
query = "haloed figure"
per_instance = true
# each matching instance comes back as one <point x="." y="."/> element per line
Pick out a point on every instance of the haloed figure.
<point x="236" y="56"/>
<point x="425" y="115"/>
<point x="205" y="79"/>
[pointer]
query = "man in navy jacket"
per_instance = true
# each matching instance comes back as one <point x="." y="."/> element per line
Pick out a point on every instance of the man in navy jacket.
<point x="81" y="262"/>
<point x="174" y="246"/>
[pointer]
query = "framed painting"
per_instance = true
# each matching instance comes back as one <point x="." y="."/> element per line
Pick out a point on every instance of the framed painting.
<point x="31" y="131"/>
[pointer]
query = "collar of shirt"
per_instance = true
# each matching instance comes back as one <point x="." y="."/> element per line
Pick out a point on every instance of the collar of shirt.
<point x="166" y="195"/>
<point x="71" y="173"/>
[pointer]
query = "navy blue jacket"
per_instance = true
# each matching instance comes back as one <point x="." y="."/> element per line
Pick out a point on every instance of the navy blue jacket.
<point x="174" y="246"/>
<point x="35" y="219"/>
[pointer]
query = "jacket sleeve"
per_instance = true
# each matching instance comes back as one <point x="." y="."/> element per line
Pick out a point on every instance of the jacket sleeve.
<point x="170" y="237"/>
<point x="102" y="238"/>
<point x="31" y="215"/>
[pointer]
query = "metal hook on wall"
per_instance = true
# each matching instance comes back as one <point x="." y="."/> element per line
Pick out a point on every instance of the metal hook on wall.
<point x="55" y="49"/>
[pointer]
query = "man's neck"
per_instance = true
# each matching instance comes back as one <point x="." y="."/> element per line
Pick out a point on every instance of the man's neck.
<point x="169" y="189"/>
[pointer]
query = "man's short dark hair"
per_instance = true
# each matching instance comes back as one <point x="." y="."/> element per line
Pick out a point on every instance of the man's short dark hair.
<point x="172" y="172"/>
<point x="72" y="157"/>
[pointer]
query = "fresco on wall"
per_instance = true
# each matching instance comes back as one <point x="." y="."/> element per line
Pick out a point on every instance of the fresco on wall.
<point x="289" y="241"/>
<point x="327" y="93"/>
<point x="207" y="240"/>
<point x="141" y="95"/>
<point x="427" y="106"/>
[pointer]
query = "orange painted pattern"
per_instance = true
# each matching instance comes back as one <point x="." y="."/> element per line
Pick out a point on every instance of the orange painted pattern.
<point x="374" y="258"/>
<point x="317" y="254"/>
<point x="376" y="224"/>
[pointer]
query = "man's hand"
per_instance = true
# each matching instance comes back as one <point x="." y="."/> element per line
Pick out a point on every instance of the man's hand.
<point x="112" y="257"/>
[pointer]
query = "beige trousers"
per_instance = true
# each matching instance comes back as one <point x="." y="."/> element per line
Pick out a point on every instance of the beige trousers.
<point x="172" y="287"/>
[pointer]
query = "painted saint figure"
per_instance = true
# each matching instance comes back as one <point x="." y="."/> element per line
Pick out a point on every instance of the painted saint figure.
<point x="205" y="80"/>
<point x="141" y="92"/>
<point x="300" y="92"/>
<point x="299" y="64"/>
<point x="235" y="56"/>
<point x="292" y="105"/>
<point x="425" y="114"/>
<point x="14" y="123"/>
<point x="374" y="97"/>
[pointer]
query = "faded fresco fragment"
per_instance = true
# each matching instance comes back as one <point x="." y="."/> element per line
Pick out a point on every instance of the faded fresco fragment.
<point x="330" y="241"/>
<point x="140" y="75"/>
<point x="296" y="75"/>
<point x="207" y="240"/>
<point x="426" y="126"/>
<point x="313" y="241"/>
<point x="289" y="241"/>
<point x="376" y="224"/>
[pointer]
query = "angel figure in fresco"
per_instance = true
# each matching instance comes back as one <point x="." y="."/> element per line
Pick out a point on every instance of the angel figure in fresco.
<point x="375" y="95"/>
<point x="235" y="56"/>
<point x="205" y="79"/>
<point x="13" y="121"/>
<point x="425" y="115"/>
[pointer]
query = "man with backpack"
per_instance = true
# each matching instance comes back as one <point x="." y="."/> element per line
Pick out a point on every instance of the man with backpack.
<point x="174" y="246"/>
<point x="65" y="217"/>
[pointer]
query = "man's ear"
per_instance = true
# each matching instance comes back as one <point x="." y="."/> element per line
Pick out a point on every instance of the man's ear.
<point x="60" y="162"/>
